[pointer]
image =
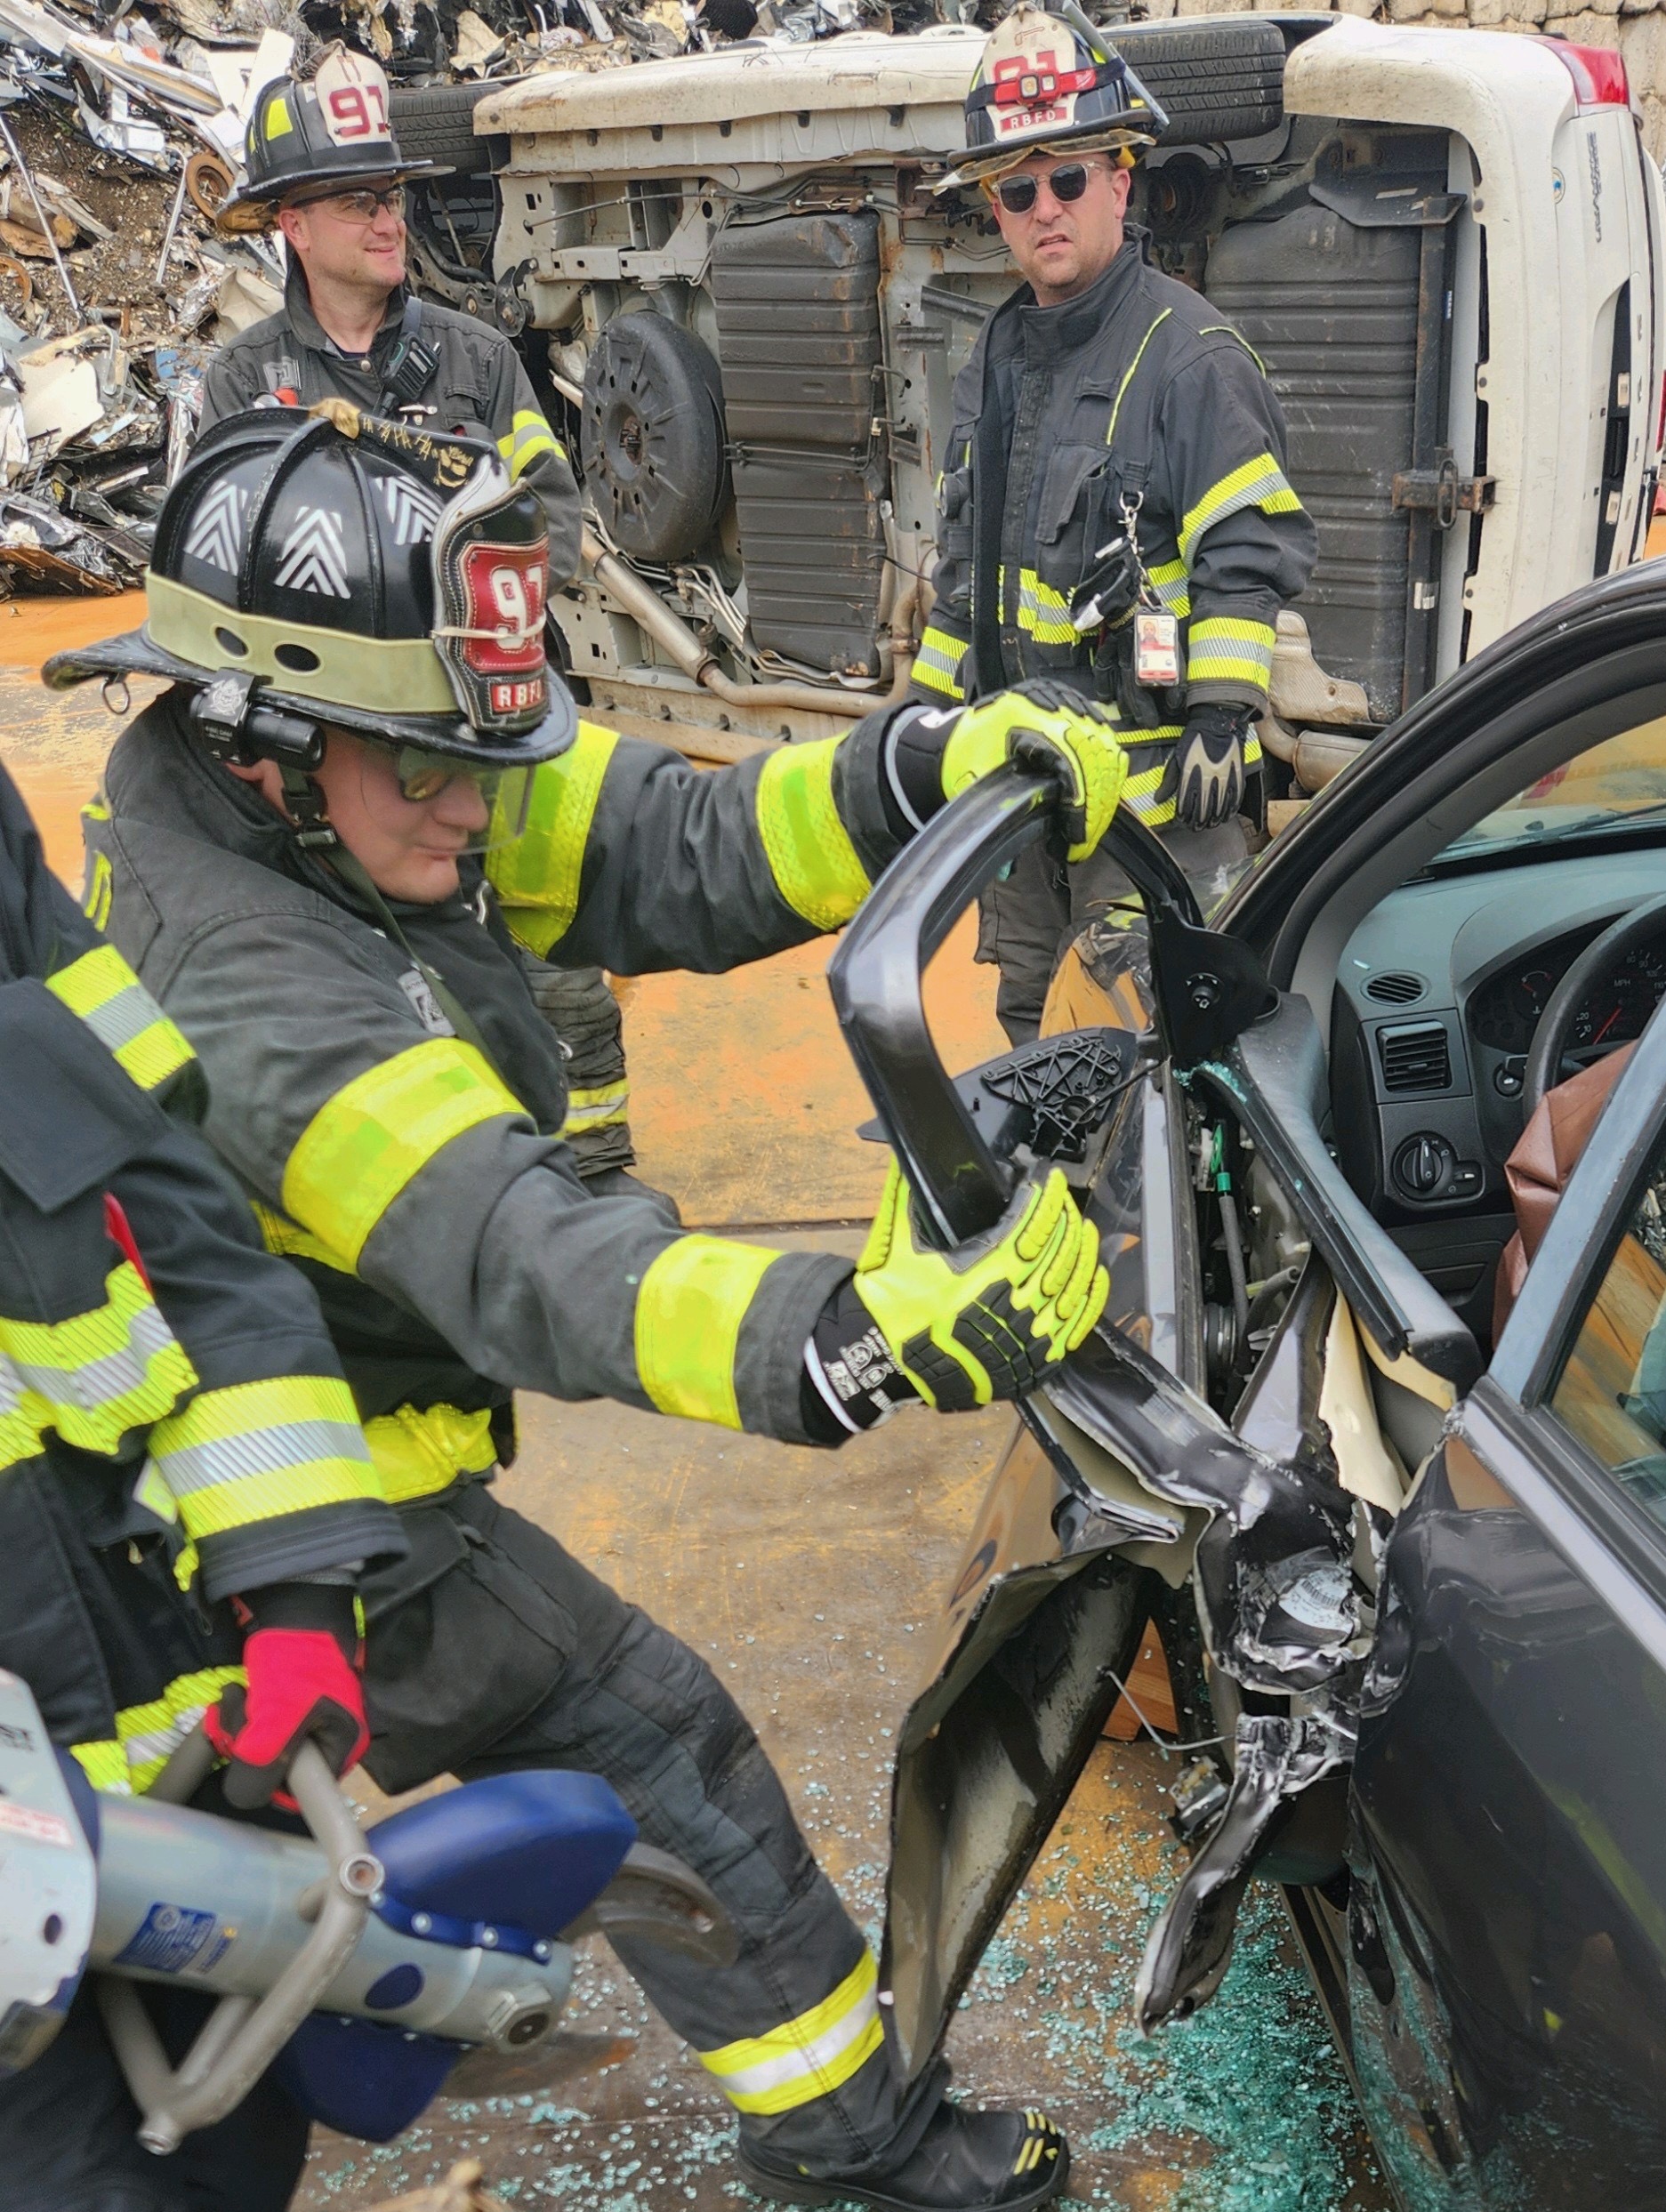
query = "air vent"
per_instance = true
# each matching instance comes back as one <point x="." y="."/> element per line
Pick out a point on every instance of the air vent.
<point x="1415" y="1058"/>
<point x="1396" y="988"/>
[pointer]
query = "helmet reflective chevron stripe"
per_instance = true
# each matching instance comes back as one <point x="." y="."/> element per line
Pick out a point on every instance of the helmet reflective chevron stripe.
<point x="257" y="1450"/>
<point x="364" y="1145"/>
<point x="689" y="1308"/>
<point x="537" y="878"/>
<point x="147" y="1734"/>
<point x="814" y="864"/>
<point x="806" y="2058"/>
<point x="92" y="1377"/>
<point x="103" y="990"/>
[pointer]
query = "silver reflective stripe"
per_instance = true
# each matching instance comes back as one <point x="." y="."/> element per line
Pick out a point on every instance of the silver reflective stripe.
<point x="119" y="1020"/>
<point x="101" y="1381"/>
<point x="277" y="1450"/>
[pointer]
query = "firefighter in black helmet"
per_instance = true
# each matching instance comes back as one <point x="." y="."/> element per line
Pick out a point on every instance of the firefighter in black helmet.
<point x="321" y="848"/>
<point x="324" y="166"/>
<point x="1114" y="513"/>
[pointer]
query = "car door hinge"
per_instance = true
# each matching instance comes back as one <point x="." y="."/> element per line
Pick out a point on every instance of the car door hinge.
<point x="1442" y="489"/>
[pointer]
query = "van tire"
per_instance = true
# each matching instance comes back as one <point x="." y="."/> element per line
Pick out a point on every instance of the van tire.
<point x="1217" y="80"/>
<point x="436" y="123"/>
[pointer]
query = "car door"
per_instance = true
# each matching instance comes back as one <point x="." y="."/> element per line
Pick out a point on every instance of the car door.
<point x="1507" y="1920"/>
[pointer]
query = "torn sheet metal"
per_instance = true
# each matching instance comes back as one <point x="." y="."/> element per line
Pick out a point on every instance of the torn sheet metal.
<point x="1275" y="1758"/>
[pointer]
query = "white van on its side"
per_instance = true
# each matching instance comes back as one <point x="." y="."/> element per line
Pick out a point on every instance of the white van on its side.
<point x="1446" y="244"/>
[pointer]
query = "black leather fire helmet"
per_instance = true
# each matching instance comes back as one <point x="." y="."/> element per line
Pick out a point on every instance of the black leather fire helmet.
<point x="334" y="568"/>
<point x="330" y="131"/>
<point x="1041" y="87"/>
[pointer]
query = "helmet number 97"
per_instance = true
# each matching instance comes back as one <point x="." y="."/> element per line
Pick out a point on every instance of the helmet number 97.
<point x="509" y="594"/>
<point x="357" y="111"/>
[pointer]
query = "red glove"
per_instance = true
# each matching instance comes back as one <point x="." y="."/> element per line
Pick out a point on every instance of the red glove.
<point x="302" y="1663"/>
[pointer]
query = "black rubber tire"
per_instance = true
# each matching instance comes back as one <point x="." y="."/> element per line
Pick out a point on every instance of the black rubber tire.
<point x="436" y="123"/>
<point x="651" y="438"/>
<point x="1217" y="80"/>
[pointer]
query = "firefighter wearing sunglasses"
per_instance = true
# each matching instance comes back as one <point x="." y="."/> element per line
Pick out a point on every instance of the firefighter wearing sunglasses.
<point x="324" y="168"/>
<point x="1113" y="511"/>
<point x="321" y="848"/>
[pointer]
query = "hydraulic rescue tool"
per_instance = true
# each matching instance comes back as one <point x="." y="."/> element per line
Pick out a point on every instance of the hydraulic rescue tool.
<point x="373" y="1970"/>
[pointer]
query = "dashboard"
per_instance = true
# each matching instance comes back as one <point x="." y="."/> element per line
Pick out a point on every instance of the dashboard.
<point x="1441" y="989"/>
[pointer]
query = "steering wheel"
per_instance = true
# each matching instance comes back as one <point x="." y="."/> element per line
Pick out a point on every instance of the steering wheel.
<point x="1551" y="1038"/>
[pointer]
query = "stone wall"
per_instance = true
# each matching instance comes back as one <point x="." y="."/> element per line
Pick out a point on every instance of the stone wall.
<point x="1636" y="27"/>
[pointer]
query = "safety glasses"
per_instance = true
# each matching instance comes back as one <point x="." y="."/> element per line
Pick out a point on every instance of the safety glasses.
<point x="500" y="795"/>
<point x="1067" y="182"/>
<point x="361" y="206"/>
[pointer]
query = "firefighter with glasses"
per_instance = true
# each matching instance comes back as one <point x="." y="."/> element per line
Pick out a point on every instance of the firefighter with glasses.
<point x="323" y="167"/>
<point x="1113" y="511"/>
<point x="321" y="848"/>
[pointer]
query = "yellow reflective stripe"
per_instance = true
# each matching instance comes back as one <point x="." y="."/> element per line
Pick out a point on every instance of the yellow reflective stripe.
<point x="419" y="1451"/>
<point x="814" y="864"/>
<point x="602" y="1108"/>
<point x="1043" y="612"/>
<point x="103" y="990"/>
<point x="258" y="1450"/>
<point x="538" y="877"/>
<point x="688" y="1311"/>
<point x="290" y="1241"/>
<point x="97" y="889"/>
<point x="1258" y="483"/>
<point x="1168" y="579"/>
<point x="95" y="1376"/>
<point x="365" y="1144"/>
<point x="1226" y="648"/>
<point x="146" y="1734"/>
<point x="1116" y="405"/>
<point x="938" y="662"/>
<point x="1225" y="330"/>
<point x="528" y="435"/>
<point x="808" y="2058"/>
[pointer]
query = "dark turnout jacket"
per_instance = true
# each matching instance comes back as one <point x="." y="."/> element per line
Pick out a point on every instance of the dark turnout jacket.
<point x="174" y="1426"/>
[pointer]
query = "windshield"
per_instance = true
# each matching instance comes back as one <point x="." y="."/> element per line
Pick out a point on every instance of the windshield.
<point x="1602" y="790"/>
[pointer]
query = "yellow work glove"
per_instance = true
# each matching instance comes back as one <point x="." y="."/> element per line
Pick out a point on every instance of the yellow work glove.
<point x="989" y="1318"/>
<point x="1044" y="721"/>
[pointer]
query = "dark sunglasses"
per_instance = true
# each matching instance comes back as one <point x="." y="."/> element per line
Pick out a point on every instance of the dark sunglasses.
<point x="1067" y="182"/>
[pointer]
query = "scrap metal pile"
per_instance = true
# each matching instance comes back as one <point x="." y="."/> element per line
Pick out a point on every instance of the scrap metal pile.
<point x="121" y="131"/>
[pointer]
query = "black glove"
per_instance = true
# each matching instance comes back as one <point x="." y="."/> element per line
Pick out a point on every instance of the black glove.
<point x="856" y="1368"/>
<point x="1205" y="777"/>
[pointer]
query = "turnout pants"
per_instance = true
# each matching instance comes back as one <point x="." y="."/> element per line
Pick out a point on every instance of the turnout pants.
<point x="492" y="1648"/>
<point x="1030" y="919"/>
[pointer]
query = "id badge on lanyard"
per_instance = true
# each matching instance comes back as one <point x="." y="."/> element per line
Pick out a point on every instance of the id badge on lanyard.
<point x="1157" y="631"/>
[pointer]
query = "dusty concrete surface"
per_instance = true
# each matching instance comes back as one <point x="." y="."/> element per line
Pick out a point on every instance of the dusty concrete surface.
<point x="807" y="1577"/>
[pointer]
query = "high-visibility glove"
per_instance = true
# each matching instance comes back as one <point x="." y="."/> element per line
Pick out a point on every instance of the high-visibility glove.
<point x="989" y="1318"/>
<point x="1205" y="777"/>
<point x="302" y="1660"/>
<point x="1045" y="723"/>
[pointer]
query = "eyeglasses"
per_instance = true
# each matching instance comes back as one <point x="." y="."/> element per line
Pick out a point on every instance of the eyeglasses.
<point x="362" y="206"/>
<point x="1067" y="182"/>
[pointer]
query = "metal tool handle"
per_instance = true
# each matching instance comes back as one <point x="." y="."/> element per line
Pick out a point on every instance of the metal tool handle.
<point x="240" y="2037"/>
<point x="875" y="980"/>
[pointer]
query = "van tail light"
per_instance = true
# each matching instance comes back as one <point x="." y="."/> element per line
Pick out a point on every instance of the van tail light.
<point x="1599" y="75"/>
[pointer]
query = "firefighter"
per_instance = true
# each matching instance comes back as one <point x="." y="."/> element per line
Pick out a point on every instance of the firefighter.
<point x="324" y="167"/>
<point x="186" y="1495"/>
<point x="1114" y="512"/>
<point x="320" y="848"/>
